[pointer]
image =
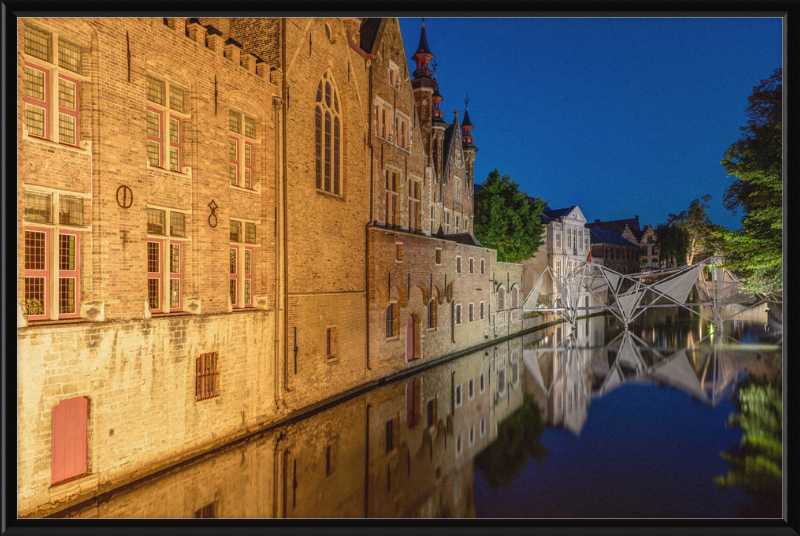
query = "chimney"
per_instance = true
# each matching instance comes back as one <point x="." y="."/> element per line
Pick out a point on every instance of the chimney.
<point x="636" y="218"/>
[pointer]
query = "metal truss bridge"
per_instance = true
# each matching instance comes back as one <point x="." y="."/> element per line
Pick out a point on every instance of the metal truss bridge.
<point x="628" y="296"/>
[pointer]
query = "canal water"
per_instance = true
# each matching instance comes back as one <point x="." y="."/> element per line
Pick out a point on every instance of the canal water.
<point x="669" y="419"/>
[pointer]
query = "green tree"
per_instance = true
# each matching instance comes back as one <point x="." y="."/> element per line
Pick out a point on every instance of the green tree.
<point x="673" y="243"/>
<point x="698" y="227"/>
<point x="756" y="162"/>
<point x="518" y="440"/>
<point x="756" y="463"/>
<point x="507" y="220"/>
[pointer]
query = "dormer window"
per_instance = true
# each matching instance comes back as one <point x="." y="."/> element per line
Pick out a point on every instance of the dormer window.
<point x="394" y="74"/>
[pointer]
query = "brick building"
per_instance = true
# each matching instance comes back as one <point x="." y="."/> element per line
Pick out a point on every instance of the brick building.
<point x="211" y="238"/>
<point x="630" y="230"/>
<point x="614" y="252"/>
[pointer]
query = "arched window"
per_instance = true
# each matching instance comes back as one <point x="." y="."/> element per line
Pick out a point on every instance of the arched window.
<point x="501" y="299"/>
<point x="432" y="314"/>
<point x="513" y="298"/>
<point x="328" y="124"/>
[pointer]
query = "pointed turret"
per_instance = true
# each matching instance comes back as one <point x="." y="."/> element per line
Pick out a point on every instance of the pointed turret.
<point x="423" y="55"/>
<point x="436" y="100"/>
<point x="466" y="129"/>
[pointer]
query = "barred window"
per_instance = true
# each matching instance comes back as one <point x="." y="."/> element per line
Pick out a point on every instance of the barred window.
<point x="153" y="257"/>
<point x="35" y="296"/>
<point x="236" y="231"/>
<point x="155" y="90"/>
<point x="176" y="98"/>
<point x="35" y="120"/>
<point x="66" y="295"/>
<point x="38" y="207"/>
<point x="249" y="127"/>
<point x="35" y="250"/>
<point x="177" y="224"/>
<point x="38" y="43"/>
<point x="250" y="233"/>
<point x="206" y="387"/>
<point x="233" y="261"/>
<point x="69" y="56"/>
<point x="234" y="283"/>
<point x="66" y="129"/>
<point x="34" y="83"/>
<point x="71" y="210"/>
<point x="155" y="221"/>
<point x="153" y="294"/>
<point x="235" y="121"/>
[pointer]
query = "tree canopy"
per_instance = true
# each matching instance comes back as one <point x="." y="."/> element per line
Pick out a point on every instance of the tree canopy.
<point x="673" y="243"/>
<point x="507" y="220"/>
<point x="695" y="224"/>
<point x="756" y="162"/>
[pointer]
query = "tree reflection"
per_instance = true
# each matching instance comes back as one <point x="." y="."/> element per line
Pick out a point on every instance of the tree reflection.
<point x="756" y="462"/>
<point x="518" y="440"/>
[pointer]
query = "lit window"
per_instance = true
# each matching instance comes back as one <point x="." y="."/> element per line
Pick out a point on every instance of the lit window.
<point x="38" y="43"/>
<point x="155" y="222"/>
<point x="250" y="233"/>
<point x="241" y="153"/>
<point x="164" y="128"/>
<point x="154" y="278"/>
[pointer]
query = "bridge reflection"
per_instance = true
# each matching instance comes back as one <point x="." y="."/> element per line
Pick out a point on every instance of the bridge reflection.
<point x="409" y="448"/>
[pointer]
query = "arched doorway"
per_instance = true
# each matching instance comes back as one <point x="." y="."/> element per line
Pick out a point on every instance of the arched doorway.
<point x="410" y="342"/>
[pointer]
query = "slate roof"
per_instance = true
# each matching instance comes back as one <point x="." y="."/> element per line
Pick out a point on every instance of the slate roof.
<point x="451" y="134"/>
<point x="368" y="33"/>
<point x="466" y="122"/>
<point x="423" y="42"/>
<point x="463" y="238"/>
<point x="607" y="237"/>
<point x="557" y="213"/>
<point x="618" y="226"/>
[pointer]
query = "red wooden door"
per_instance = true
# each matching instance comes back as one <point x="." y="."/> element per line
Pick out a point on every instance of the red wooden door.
<point x="68" y="457"/>
<point x="410" y="338"/>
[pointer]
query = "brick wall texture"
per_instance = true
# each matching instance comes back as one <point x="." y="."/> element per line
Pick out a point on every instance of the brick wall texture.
<point x="323" y="265"/>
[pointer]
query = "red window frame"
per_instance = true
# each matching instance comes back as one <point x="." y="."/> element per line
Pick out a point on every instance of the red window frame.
<point x="176" y="275"/>
<point x="235" y="277"/>
<point x="156" y="275"/>
<point x="249" y="167"/>
<point x="176" y="144"/>
<point x="248" y="275"/>
<point x="206" y="376"/>
<point x="160" y="138"/>
<point x="45" y="104"/>
<point x="41" y="273"/>
<point x="70" y="274"/>
<point x="75" y="114"/>
<point x="235" y="161"/>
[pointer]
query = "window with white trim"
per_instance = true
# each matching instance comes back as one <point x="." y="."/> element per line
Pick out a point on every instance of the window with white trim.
<point x="558" y="240"/>
<point x="471" y="265"/>
<point x="242" y="263"/>
<point x="401" y="130"/>
<point x="46" y="82"/>
<point x="166" y="233"/>
<point x="51" y="255"/>
<point x="471" y="312"/>
<point x="165" y="117"/>
<point x="329" y="135"/>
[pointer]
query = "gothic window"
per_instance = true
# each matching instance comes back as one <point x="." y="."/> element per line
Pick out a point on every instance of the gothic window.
<point x="328" y="140"/>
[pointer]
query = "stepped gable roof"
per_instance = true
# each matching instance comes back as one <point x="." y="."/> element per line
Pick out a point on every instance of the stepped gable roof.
<point x="607" y="237"/>
<point x="368" y="33"/>
<point x="463" y="238"/>
<point x="618" y="226"/>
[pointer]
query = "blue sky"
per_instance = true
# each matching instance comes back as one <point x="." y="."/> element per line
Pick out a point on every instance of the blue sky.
<point x="622" y="117"/>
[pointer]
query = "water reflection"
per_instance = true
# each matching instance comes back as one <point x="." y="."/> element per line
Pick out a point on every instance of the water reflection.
<point x="418" y="447"/>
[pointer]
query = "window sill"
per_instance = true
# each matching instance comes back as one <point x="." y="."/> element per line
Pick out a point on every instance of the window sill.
<point x="176" y="313"/>
<point x="159" y="168"/>
<point x="394" y="338"/>
<point x="244" y="309"/>
<point x="243" y="188"/>
<point x="49" y="323"/>
<point x="331" y="195"/>
<point x="76" y="148"/>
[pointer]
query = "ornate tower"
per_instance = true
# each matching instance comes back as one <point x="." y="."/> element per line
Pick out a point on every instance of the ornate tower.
<point x="468" y="143"/>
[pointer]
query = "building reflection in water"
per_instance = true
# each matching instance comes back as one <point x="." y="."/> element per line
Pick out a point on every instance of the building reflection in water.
<point x="408" y="448"/>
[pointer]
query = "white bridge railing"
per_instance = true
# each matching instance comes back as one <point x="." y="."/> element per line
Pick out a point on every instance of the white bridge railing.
<point x="628" y="296"/>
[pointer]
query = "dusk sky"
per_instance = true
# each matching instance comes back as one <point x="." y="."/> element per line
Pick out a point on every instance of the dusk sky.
<point x="621" y="117"/>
